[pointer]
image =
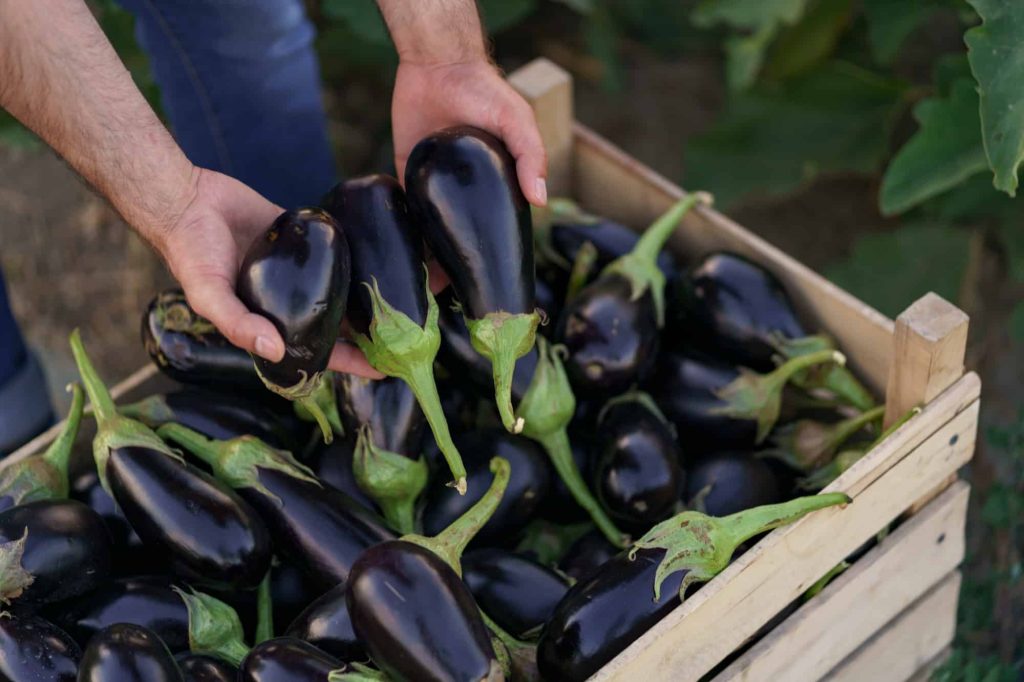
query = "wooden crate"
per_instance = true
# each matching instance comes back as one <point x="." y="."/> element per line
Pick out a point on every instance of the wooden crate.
<point x="891" y="615"/>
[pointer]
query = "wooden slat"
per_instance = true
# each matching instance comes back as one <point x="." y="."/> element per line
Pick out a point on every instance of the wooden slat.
<point x="609" y="182"/>
<point x="715" y="621"/>
<point x="909" y="643"/>
<point x="924" y="673"/>
<point x="890" y="577"/>
<point x="548" y="89"/>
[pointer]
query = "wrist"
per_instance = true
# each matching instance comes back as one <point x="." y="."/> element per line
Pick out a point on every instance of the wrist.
<point x="162" y="206"/>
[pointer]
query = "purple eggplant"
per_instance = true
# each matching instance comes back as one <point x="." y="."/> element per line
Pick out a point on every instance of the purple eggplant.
<point x="518" y="593"/>
<point x="297" y="276"/>
<point x="128" y="557"/>
<point x="124" y="652"/>
<point x="35" y="650"/>
<point x="325" y="624"/>
<point x="586" y="555"/>
<point x="286" y="659"/>
<point x="724" y="483"/>
<point x="332" y="464"/>
<point x="463" y="190"/>
<point x="203" y="668"/>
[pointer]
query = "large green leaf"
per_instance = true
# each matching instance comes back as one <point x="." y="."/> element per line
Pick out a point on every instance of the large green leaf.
<point x="996" y="53"/>
<point x="893" y="269"/>
<point x="890" y="22"/>
<point x="775" y="137"/>
<point x="945" y="151"/>
<point x="744" y="57"/>
<point x="810" y="41"/>
<point x="748" y="14"/>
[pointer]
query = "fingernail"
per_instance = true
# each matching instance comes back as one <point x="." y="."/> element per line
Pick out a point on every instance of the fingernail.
<point x="265" y="348"/>
<point x="541" y="187"/>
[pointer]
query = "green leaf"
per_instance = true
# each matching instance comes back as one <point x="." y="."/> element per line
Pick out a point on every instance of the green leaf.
<point x="996" y="53"/>
<point x="499" y="15"/>
<point x="890" y="22"/>
<point x="748" y="14"/>
<point x="810" y="41"/>
<point x="945" y="151"/>
<point x="773" y="138"/>
<point x="744" y="56"/>
<point x="972" y="200"/>
<point x="893" y="269"/>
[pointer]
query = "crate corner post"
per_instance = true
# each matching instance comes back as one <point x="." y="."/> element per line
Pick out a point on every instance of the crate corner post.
<point x="547" y="88"/>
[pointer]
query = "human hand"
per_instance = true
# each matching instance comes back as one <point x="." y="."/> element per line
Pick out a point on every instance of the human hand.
<point x="204" y="248"/>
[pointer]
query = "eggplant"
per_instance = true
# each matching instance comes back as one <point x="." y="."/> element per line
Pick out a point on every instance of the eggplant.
<point x="724" y="483"/>
<point x="605" y="612"/>
<point x="128" y="557"/>
<point x="585" y="555"/>
<point x="319" y="528"/>
<point x="43" y="476"/>
<point x="290" y="592"/>
<point x="36" y="650"/>
<point x="391" y="311"/>
<point x="332" y="464"/>
<point x="518" y="593"/>
<point x="127" y="652"/>
<point x="411" y="609"/>
<point x="611" y="327"/>
<point x="210" y="534"/>
<point x="387" y="463"/>
<point x="528" y="486"/>
<point x="217" y="415"/>
<point x="188" y="348"/>
<point x="286" y="659"/>
<point x="463" y="189"/>
<point x="147" y="602"/>
<point x="638" y="474"/>
<point x="202" y="668"/>
<point x="297" y="276"/>
<point x="734" y="308"/>
<point x="326" y="625"/>
<point x="51" y="550"/>
<point x="806" y="444"/>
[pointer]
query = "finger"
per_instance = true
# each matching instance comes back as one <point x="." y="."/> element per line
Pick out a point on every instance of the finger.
<point x="348" y="359"/>
<point x="522" y="137"/>
<point x="215" y="299"/>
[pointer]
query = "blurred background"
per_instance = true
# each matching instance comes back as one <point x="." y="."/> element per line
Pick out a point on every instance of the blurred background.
<point x="847" y="132"/>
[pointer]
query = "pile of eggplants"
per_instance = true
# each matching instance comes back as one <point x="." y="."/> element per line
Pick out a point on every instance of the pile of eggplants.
<point x="571" y="438"/>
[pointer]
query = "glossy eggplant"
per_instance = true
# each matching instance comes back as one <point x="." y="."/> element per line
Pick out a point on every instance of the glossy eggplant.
<point x="148" y="602"/>
<point x="724" y="483"/>
<point x="127" y="555"/>
<point x="736" y="309"/>
<point x="637" y="473"/>
<point x="326" y="625"/>
<point x="586" y="555"/>
<point x="518" y="593"/>
<point x="391" y="310"/>
<point x="43" y="476"/>
<point x="127" y="652"/>
<point x="51" y="550"/>
<point x="463" y="189"/>
<point x="36" y="650"/>
<point x="202" y="668"/>
<point x="528" y="486"/>
<point x="387" y="463"/>
<point x="188" y="348"/>
<point x="210" y="534"/>
<point x="297" y="276"/>
<point x="319" y="528"/>
<point x="606" y="611"/>
<point x="286" y="659"/>
<point x="332" y="464"/>
<point x="611" y="328"/>
<point x="290" y="592"/>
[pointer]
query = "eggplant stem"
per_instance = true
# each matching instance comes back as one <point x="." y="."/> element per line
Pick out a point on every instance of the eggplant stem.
<point x="653" y="239"/>
<point x="503" y="338"/>
<point x="556" y="444"/>
<point x="264" y="610"/>
<point x="310" y="404"/>
<point x="102" y="403"/>
<point x="582" y="266"/>
<point x="323" y="397"/>
<point x="393" y="480"/>
<point x="744" y="525"/>
<point x="846" y="428"/>
<point x="420" y="379"/>
<point x="58" y="455"/>
<point x="450" y="543"/>
<point x="207" y="449"/>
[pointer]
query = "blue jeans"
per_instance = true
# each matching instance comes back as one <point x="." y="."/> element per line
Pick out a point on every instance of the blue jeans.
<point x="240" y="85"/>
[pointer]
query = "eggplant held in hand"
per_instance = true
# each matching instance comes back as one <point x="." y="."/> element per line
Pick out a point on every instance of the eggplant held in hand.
<point x="297" y="276"/>
<point x="464" y="192"/>
<point x="605" y="612"/>
<point x="391" y="309"/>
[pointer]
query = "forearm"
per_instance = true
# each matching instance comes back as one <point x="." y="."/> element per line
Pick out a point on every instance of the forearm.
<point x="435" y="31"/>
<point x="60" y="76"/>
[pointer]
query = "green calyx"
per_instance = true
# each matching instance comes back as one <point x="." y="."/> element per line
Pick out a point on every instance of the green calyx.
<point x="640" y="266"/>
<point x="579" y="275"/>
<point x="758" y="397"/>
<point x="450" y="543"/>
<point x="45" y="476"/>
<point x="308" y="395"/>
<point x="174" y="314"/>
<point x="398" y="347"/>
<point x="702" y="545"/>
<point x="547" y="409"/>
<point x="807" y="444"/>
<point x="237" y="462"/>
<point x="321" y="406"/>
<point x="264" y="610"/>
<point x="113" y="430"/>
<point x="14" y="579"/>
<point x="557" y="210"/>
<point x="503" y="338"/>
<point x="836" y="379"/>
<point x="393" y="481"/>
<point x="151" y="411"/>
<point x="213" y="627"/>
<point x="356" y="672"/>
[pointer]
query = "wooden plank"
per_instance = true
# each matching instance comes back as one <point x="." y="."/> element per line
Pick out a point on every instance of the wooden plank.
<point x="726" y="612"/>
<point x="924" y="674"/>
<point x="909" y="643"/>
<point x="893" y="575"/>
<point x="548" y="89"/>
<point x="610" y="182"/>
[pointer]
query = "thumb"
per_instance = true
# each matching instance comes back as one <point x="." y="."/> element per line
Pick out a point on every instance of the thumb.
<point x="214" y="298"/>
